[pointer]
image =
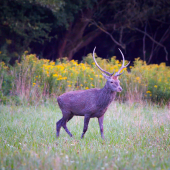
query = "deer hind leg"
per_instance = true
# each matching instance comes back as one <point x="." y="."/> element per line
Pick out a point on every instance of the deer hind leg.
<point x="64" y="124"/>
<point x="70" y="117"/>
<point x="58" y="127"/>
<point x="86" y="122"/>
<point x="65" y="127"/>
<point x="66" y="117"/>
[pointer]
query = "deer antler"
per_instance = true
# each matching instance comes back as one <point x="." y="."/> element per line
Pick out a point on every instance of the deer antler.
<point x="122" y="67"/>
<point x="110" y="74"/>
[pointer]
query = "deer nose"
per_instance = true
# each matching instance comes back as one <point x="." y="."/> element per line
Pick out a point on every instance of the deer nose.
<point x="119" y="89"/>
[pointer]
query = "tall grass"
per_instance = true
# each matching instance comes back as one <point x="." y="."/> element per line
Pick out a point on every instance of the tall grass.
<point x="33" y="80"/>
<point x="137" y="137"/>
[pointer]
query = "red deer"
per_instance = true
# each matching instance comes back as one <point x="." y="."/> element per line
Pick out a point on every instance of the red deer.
<point x="89" y="103"/>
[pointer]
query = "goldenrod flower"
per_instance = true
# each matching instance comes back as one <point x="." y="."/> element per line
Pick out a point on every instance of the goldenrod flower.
<point x="55" y="75"/>
<point x="137" y="78"/>
<point x="117" y="62"/>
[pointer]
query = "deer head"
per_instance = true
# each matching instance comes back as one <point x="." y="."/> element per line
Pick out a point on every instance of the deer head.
<point x="112" y="80"/>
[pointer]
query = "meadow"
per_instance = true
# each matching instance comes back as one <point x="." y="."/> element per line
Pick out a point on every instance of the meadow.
<point x="137" y="137"/>
<point x="136" y="124"/>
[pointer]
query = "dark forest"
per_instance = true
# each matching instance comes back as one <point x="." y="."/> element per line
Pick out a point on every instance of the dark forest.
<point x="72" y="28"/>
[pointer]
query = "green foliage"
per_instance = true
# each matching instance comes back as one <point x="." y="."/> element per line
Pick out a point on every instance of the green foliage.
<point x="5" y="79"/>
<point x="3" y="99"/>
<point x="30" y="24"/>
<point x="137" y="137"/>
<point x="54" y="5"/>
<point x="22" y="23"/>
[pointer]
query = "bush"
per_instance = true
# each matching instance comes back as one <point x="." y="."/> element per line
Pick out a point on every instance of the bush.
<point x="35" y="80"/>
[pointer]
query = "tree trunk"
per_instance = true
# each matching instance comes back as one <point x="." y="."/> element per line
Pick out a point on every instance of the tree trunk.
<point x="74" y="39"/>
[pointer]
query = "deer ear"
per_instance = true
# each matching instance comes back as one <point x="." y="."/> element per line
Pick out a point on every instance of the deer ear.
<point x="106" y="76"/>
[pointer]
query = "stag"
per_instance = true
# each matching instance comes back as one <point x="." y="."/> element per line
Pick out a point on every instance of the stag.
<point x="89" y="103"/>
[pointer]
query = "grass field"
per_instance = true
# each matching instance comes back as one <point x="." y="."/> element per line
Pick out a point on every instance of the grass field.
<point x="137" y="137"/>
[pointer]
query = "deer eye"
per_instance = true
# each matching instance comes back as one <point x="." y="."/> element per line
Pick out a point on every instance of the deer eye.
<point x="111" y="82"/>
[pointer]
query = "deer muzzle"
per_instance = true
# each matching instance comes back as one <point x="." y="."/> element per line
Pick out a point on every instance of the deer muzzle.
<point x="119" y="89"/>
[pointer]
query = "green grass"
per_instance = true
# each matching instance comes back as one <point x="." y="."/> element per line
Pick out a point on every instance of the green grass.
<point x="137" y="137"/>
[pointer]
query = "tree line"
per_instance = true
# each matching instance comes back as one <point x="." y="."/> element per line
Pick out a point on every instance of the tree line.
<point x="71" y="28"/>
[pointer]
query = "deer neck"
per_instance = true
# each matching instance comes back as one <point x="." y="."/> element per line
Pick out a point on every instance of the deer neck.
<point x="106" y="96"/>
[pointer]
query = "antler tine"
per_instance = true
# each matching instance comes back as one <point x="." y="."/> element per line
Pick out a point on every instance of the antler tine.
<point x="110" y="74"/>
<point x="122" y="67"/>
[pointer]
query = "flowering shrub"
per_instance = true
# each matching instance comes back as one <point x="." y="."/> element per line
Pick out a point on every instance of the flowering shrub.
<point x="148" y="81"/>
<point x="36" y="79"/>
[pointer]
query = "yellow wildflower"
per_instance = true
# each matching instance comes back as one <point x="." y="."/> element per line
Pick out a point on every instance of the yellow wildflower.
<point x="138" y="78"/>
<point x="52" y="63"/>
<point x="55" y="75"/>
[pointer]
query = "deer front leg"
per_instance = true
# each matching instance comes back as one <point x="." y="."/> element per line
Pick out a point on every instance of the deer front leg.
<point x="100" y="120"/>
<point x="86" y="122"/>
